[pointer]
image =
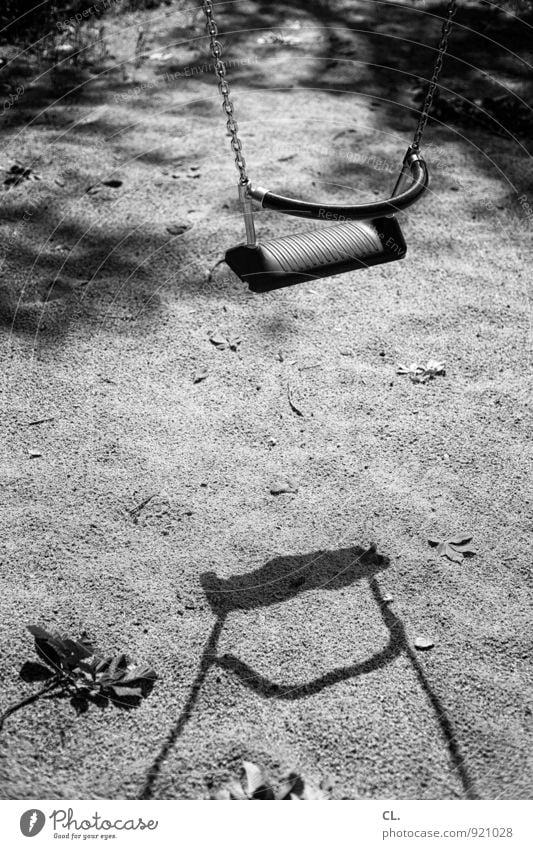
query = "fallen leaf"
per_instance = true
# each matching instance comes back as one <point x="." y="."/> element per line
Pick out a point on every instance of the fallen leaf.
<point x="221" y="794"/>
<point x="436" y="367"/>
<point x="19" y="173"/>
<point x="422" y="374"/>
<point x="257" y="786"/>
<point x="178" y="229"/>
<point x="97" y="187"/>
<point x="460" y="540"/>
<point x="218" y="340"/>
<point x="283" y="485"/>
<point x="465" y="549"/>
<point x="423" y="643"/>
<point x="254" y="778"/>
<point x="234" y="342"/>
<point x="32" y="671"/>
<point x="200" y="375"/>
<point x="454" y="549"/>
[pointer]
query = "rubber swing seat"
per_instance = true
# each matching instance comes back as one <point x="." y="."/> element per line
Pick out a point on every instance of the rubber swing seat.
<point x="325" y="252"/>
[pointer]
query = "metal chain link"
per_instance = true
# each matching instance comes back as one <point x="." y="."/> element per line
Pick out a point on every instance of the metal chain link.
<point x="224" y="89"/>
<point x="432" y="87"/>
<point x="227" y="103"/>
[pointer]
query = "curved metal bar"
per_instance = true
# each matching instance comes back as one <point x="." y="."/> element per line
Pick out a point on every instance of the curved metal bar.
<point x="414" y="166"/>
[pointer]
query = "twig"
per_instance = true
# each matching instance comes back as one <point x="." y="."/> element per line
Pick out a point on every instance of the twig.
<point x="211" y="270"/>
<point x="41" y="421"/>
<point x="134" y="512"/>
<point x="291" y="402"/>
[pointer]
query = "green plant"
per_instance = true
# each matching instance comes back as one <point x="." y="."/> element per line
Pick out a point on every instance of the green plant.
<point x="73" y="668"/>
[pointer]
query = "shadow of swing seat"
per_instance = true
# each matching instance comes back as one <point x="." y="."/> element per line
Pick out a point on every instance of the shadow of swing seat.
<point x="285" y="577"/>
<point x="280" y="580"/>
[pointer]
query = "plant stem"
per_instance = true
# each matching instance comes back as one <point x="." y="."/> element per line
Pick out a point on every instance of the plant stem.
<point x="28" y="701"/>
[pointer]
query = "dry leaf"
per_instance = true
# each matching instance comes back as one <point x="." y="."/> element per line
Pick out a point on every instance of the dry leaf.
<point x="454" y="549"/>
<point x="235" y="790"/>
<point x="234" y="342"/>
<point x="283" y="485"/>
<point x="218" y="340"/>
<point x="200" y="375"/>
<point x="18" y="173"/>
<point x="257" y="786"/>
<point x="253" y="776"/>
<point x="178" y="229"/>
<point x="421" y="374"/>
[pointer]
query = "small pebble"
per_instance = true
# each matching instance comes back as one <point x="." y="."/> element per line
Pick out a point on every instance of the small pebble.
<point x="423" y="643"/>
<point x="33" y="453"/>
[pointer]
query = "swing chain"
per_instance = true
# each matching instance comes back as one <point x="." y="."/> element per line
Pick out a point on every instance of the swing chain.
<point x="432" y="87"/>
<point x="224" y="89"/>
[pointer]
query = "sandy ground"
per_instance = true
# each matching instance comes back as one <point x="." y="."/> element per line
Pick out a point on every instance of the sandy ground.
<point x="296" y="660"/>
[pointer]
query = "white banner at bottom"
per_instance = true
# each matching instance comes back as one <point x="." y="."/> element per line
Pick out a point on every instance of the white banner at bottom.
<point x="222" y="825"/>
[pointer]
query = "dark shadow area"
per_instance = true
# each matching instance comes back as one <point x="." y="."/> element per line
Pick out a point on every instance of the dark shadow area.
<point x="382" y="49"/>
<point x="284" y="578"/>
<point x="110" y="266"/>
<point x="281" y="580"/>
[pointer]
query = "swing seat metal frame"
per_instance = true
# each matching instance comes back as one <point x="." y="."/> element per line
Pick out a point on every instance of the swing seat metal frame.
<point x="363" y="235"/>
<point x="359" y="236"/>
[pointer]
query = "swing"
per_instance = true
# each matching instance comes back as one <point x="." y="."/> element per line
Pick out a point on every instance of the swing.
<point x="357" y="236"/>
